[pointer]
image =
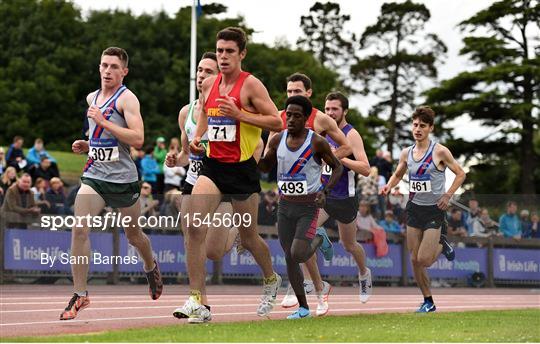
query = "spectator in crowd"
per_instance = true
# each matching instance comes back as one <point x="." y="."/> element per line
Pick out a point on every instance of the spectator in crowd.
<point x="364" y="220"/>
<point x="268" y="208"/>
<point x="389" y="224"/>
<point x="3" y="162"/>
<point x="15" y="155"/>
<point x="148" y="204"/>
<point x="56" y="197"/>
<point x="509" y="223"/>
<point x="368" y="189"/>
<point x="456" y="226"/>
<point x="39" y="190"/>
<point x="160" y="152"/>
<point x="70" y="199"/>
<point x="173" y="175"/>
<point x="398" y="202"/>
<point x="150" y="168"/>
<point x="137" y="155"/>
<point x="526" y="224"/>
<point x="469" y="216"/>
<point x="36" y="153"/>
<point x="535" y="226"/>
<point x="383" y="162"/>
<point x="174" y="145"/>
<point x="171" y="203"/>
<point x="19" y="207"/>
<point x="8" y="178"/>
<point x="482" y="225"/>
<point x="44" y="170"/>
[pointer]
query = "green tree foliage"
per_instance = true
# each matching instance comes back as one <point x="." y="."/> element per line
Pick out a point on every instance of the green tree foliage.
<point x="49" y="62"/>
<point x="400" y="54"/>
<point x="502" y="93"/>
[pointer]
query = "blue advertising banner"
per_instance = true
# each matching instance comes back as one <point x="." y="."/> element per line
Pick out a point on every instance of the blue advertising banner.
<point x="45" y="250"/>
<point x="468" y="261"/>
<point x="516" y="264"/>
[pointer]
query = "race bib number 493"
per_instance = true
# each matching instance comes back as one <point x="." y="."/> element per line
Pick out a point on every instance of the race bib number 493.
<point x="103" y="150"/>
<point x="293" y="185"/>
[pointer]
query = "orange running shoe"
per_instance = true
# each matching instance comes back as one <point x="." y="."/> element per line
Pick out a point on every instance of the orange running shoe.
<point x="155" y="284"/>
<point x="75" y="305"/>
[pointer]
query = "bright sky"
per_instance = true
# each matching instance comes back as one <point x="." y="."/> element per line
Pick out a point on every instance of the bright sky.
<point x="279" y="19"/>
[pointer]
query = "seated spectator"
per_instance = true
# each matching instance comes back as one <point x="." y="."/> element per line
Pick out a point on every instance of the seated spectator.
<point x="509" y="223"/>
<point x="150" y="168"/>
<point x="171" y="203"/>
<point x="8" y="178"/>
<point x="483" y="225"/>
<point x="36" y="153"/>
<point x="3" y="162"/>
<point x="70" y="199"/>
<point x="174" y="145"/>
<point x="19" y="207"/>
<point x="56" y="197"/>
<point x="364" y="220"/>
<point x="526" y="224"/>
<point x="535" y="226"/>
<point x="15" y="155"/>
<point x="398" y="202"/>
<point x="268" y="209"/>
<point x="44" y="170"/>
<point x="389" y="224"/>
<point x="148" y="204"/>
<point x="469" y="216"/>
<point x="173" y="175"/>
<point x="456" y="227"/>
<point x="39" y="190"/>
<point x="137" y="155"/>
<point x="369" y="189"/>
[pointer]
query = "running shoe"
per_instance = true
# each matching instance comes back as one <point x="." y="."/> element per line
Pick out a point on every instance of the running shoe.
<point x="326" y="247"/>
<point x="447" y="249"/>
<point x="268" y="298"/>
<point x="75" y="305"/>
<point x="322" y="300"/>
<point x="155" y="284"/>
<point x="366" y="287"/>
<point x="426" y="307"/>
<point x="300" y="313"/>
<point x="290" y="298"/>
<point x="193" y="311"/>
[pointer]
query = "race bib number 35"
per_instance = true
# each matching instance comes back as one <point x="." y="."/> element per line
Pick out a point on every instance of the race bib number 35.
<point x="103" y="150"/>
<point x="419" y="183"/>
<point x="221" y="129"/>
<point x="292" y="185"/>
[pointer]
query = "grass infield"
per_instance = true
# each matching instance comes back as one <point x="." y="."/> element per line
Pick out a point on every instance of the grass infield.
<point x="478" y="326"/>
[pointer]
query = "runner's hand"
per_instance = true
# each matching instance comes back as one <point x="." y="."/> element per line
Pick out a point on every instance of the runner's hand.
<point x="79" y="147"/>
<point x="228" y="108"/>
<point x="195" y="146"/>
<point x="384" y="190"/>
<point x="95" y="114"/>
<point x="443" y="201"/>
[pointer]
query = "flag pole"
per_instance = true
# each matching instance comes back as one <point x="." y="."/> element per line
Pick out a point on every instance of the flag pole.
<point x="193" y="57"/>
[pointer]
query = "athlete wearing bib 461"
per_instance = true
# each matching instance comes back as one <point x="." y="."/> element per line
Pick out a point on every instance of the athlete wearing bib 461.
<point x="426" y="162"/>
<point x="299" y="153"/>
<point x="110" y="175"/>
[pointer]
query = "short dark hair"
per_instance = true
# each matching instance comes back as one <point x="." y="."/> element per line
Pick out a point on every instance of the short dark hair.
<point x="425" y="114"/>
<point x="339" y="96"/>
<point x="17" y="138"/>
<point x="149" y="149"/>
<point x="300" y="77"/>
<point x="118" y="52"/>
<point x="304" y="102"/>
<point x="233" y="34"/>
<point x="209" y="55"/>
<point x="509" y="203"/>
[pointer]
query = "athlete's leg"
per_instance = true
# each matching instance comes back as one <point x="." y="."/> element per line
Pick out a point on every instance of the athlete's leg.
<point x="136" y="236"/>
<point x="219" y="240"/>
<point x="87" y="202"/>
<point x="430" y="248"/>
<point x="249" y="236"/>
<point x="414" y="240"/>
<point x="347" y="235"/>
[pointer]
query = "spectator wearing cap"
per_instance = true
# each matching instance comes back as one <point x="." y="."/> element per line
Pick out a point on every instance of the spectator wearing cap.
<point x="160" y="153"/>
<point x="526" y="224"/>
<point x="36" y="153"/>
<point x="44" y="170"/>
<point x="509" y="223"/>
<point x="150" y="168"/>
<point x="389" y="224"/>
<point x="19" y="206"/>
<point x="15" y="155"/>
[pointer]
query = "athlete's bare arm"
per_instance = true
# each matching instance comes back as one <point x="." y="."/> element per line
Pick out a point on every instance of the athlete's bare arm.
<point x="202" y="118"/>
<point x="270" y="155"/>
<point x="265" y="114"/>
<point x="183" y="156"/>
<point x="445" y="158"/>
<point x="81" y="146"/>
<point x="398" y="174"/>
<point x="325" y="124"/>
<point x="128" y="104"/>
<point x="258" y="150"/>
<point x="324" y="152"/>
<point x="360" y="164"/>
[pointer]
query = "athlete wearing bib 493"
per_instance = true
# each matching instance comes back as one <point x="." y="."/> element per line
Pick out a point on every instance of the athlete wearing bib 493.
<point x="110" y="175"/>
<point x="426" y="162"/>
<point x="299" y="153"/>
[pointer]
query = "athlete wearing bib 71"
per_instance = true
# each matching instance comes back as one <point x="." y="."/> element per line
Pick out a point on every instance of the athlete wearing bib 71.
<point x="426" y="162"/>
<point x="299" y="153"/>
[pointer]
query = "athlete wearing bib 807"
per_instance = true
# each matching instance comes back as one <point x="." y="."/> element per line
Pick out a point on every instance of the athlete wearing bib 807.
<point x="299" y="153"/>
<point x="236" y="107"/>
<point x="110" y="175"/>
<point x="426" y="162"/>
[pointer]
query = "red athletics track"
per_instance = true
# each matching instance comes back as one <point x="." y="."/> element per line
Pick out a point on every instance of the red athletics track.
<point x="33" y="310"/>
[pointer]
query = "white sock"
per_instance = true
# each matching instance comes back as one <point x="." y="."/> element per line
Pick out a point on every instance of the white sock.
<point x="82" y="293"/>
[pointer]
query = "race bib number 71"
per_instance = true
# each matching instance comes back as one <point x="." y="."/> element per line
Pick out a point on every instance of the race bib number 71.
<point x="221" y="129"/>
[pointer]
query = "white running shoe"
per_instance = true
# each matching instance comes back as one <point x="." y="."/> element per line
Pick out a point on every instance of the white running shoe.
<point x="268" y="298"/>
<point x="290" y="298"/>
<point x="366" y="288"/>
<point x="322" y="300"/>
<point x="193" y="311"/>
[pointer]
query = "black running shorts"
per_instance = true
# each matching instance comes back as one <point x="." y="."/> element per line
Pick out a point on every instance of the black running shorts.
<point x="297" y="220"/>
<point x="342" y="210"/>
<point x="425" y="216"/>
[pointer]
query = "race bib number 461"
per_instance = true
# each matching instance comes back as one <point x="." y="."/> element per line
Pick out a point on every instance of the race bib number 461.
<point x="103" y="150"/>
<point x="293" y="185"/>
<point x="420" y="183"/>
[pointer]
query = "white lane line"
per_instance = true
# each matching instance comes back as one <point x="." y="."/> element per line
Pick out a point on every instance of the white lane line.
<point x="508" y="306"/>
